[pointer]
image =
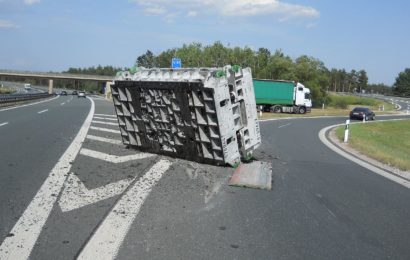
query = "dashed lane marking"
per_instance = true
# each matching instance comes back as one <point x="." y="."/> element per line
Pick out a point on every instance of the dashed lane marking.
<point x="28" y="228"/>
<point x="62" y="104"/>
<point x="105" y="118"/>
<point x="107" y="239"/>
<point x="283" y="125"/>
<point x="105" y="130"/>
<point x="105" y="115"/>
<point x="42" y="111"/>
<point x="104" y="123"/>
<point x="114" y="158"/>
<point x="5" y="123"/>
<point x="103" y="139"/>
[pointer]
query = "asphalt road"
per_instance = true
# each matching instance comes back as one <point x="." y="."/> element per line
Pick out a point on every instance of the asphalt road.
<point x="322" y="206"/>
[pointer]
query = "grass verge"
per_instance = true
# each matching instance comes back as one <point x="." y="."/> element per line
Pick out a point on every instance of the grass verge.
<point x="387" y="142"/>
<point x="5" y="90"/>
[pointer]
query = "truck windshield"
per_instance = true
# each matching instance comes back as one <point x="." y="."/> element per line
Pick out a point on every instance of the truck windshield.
<point x="307" y="95"/>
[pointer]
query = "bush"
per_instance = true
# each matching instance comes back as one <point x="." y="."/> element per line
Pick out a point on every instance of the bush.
<point x="344" y="101"/>
<point x="341" y="103"/>
<point x="5" y="90"/>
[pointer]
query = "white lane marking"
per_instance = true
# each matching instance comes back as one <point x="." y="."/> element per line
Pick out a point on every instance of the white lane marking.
<point x="75" y="195"/>
<point x="107" y="239"/>
<point x="114" y="158"/>
<point x="105" y="118"/>
<point x="28" y="228"/>
<point x="104" y="123"/>
<point x="105" y="115"/>
<point x="42" y="111"/>
<point x="322" y="137"/>
<point x="105" y="130"/>
<point x="5" y="123"/>
<point x="283" y="125"/>
<point x="103" y="139"/>
<point x="31" y="104"/>
<point x="98" y="98"/>
<point x="62" y="104"/>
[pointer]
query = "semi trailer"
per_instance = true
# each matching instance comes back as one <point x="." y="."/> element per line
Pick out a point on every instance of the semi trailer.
<point x="281" y="96"/>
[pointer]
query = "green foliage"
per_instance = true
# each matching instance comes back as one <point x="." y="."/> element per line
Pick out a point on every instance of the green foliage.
<point x="146" y="60"/>
<point x="402" y="84"/>
<point x="388" y="142"/>
<point x="362" y="80"/>
<point x="266" y="65"/>
<point x="345" y="100"/>
<point x="380" y="89"/>
<point x="99" y="70"/>
<point x="340" y="103"/>
<point x="5" y="90"/>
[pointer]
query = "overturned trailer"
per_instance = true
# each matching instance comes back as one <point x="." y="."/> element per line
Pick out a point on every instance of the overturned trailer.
<point x="206" y="115"/>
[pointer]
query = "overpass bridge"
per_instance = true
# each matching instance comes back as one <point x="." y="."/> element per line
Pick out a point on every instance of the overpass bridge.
<point x="52" y="76"/>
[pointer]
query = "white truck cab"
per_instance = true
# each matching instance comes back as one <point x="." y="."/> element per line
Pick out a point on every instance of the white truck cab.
<point x="302" y="97"/>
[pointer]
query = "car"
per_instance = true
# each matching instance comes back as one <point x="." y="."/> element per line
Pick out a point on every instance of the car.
<point x="81" y="94"/>
<point x="63" y="93"/>
<point x="362" y="113"/>
<point x="74" y="92"/>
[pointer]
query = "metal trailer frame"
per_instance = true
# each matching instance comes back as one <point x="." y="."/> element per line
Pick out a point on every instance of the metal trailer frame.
<point x="206" y="115"/>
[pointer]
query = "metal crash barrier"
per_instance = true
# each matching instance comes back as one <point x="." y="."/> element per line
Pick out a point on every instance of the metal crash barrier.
<point x="7" y="99"/>
<point x="206" y="115"/>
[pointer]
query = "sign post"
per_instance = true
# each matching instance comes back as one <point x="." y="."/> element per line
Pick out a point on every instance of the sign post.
<point x="346" y="139"/>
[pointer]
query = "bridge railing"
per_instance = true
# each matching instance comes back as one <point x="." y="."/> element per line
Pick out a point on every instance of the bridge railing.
<point x="55" y="75"/>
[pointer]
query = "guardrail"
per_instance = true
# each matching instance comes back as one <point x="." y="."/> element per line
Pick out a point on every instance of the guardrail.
<point x="7" y="99"/>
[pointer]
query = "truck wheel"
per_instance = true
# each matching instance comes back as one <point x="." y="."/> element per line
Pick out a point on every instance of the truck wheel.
<point x="277" y="109"/>
<point x="302" y="110"/>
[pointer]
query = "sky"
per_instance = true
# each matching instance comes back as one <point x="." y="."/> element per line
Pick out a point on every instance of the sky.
<point x="53" y="35"/>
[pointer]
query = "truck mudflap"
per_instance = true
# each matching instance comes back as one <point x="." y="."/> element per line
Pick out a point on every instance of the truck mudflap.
<point x="206" y="115"/>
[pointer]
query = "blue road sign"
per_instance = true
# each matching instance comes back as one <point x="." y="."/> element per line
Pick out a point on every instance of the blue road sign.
<point x="176" y="63"/>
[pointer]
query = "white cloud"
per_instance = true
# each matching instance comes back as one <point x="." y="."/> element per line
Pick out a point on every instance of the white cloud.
<point x="7" y="24"/>
<point x="192" y="13"/>
<point x="310" y="25"/>
<point x="229" y="8"/>
<point x="155" y="10"/>
<point x="30" y="2"/>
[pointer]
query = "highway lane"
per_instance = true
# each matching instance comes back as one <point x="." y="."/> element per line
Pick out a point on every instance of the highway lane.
<point x="322" y="206"/>
<point x="31" y="144"/>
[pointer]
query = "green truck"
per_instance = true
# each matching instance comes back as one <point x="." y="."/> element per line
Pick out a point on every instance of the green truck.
<point x="280" y="96"/>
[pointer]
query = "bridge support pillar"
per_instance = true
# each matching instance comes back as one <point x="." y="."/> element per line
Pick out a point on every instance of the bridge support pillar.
<point x="50" y="86"/>
<point x="108" y="94"/>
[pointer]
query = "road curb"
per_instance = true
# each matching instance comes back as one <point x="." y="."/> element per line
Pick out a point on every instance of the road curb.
<point x="393" y="174"/>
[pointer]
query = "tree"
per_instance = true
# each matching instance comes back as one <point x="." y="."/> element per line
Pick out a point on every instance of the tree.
<point x="146" y="60"/>
<point x="353" y="80"/>
<point x="281" y="66"/>
<point x="402" y="84"/>
<point x="362" y="80"/>
<point x="380" y="89"/>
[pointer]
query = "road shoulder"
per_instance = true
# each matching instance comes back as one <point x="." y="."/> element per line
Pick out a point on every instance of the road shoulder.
<point x="393" y="174"/>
